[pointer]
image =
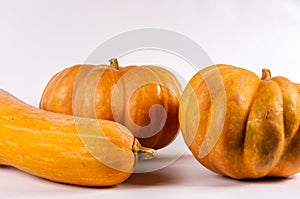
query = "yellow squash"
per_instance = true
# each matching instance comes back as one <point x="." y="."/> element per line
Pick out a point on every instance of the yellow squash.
<point x="63" y="148"/>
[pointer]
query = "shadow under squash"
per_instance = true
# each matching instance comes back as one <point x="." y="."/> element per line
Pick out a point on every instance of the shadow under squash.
<point x="150" y="179"/>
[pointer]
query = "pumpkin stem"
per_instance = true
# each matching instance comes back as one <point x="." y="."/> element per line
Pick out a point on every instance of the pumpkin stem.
<point x="142" y="153"/>
<point x="266" y="74"/>
<point x="114" y="63"/>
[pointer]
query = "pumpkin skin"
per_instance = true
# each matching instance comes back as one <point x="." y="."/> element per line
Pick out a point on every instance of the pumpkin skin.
<point x="241" y="126"/>
<point x="144" y="99"/>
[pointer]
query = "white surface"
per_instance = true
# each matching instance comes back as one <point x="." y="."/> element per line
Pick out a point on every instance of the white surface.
<point x="39" y="38"/>
<point x="183" y="179"/>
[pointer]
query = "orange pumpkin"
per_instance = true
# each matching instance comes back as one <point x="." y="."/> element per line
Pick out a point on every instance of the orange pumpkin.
<point x="241" y="126"/>
<point x="144" y="99"/>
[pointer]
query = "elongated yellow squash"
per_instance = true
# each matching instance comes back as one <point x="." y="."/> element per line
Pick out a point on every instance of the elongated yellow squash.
<point x="63" y="148"/>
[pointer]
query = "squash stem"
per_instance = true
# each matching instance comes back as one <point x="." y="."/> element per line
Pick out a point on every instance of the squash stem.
<point x="266" y="74"/>
<point x="142" y="153"/>
<point x="114" y="63"/>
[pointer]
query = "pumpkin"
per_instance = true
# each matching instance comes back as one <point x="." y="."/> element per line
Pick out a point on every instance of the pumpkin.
<point x="242" y="126"/>
<point x="64" y="148"/>
<point x="145" y="99"/>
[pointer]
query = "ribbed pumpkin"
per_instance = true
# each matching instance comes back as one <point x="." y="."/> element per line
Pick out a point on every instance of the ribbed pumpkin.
<point x="240" y="125"/>
<point x="145" y="99"/>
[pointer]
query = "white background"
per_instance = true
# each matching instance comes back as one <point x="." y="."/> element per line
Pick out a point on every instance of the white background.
<point x="38" y="38"/>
